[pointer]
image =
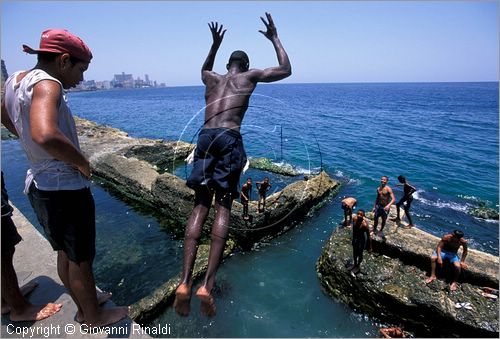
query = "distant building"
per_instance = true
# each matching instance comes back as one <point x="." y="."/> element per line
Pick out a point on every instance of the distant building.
<point x="123" y="80"/>
<point x="103" y="84"/>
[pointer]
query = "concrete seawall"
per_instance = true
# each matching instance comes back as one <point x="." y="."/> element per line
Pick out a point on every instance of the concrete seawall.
<point x="34" y="259"/>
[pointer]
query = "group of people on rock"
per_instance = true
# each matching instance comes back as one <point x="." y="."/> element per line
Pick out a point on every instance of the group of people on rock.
<point x="246" y="195"/>
<point x="446" y="249"/>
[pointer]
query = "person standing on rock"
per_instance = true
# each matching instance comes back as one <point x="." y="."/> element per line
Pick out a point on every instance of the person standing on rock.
<point x="405" y="200"/>
<point x="246" y="191"/>
<point x="57" y="181"/>
<point x="13" y="297"/>
<point x="348" y="205"/>
<point x="385" y="198"/>
<point x="220" y="157"/>
<point x="447" y="249"/>
<point x="262" y="187"/>
<point x="360" y="238"/>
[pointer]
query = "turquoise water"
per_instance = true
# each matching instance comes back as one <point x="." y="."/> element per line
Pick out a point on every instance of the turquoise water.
<point x="442" y="136"/>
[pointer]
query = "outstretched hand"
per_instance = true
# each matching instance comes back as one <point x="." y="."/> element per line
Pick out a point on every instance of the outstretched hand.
<point x="217" y="33"/>
<point x="271" y="29"/>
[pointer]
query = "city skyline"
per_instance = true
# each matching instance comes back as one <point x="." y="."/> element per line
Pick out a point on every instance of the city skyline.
<point x="326" y="41"/>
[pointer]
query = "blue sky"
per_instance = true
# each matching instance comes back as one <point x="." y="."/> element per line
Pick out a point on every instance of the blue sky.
<point x="327" y="41"/>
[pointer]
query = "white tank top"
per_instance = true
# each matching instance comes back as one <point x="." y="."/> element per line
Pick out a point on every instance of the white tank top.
<point x="46" y="172"/>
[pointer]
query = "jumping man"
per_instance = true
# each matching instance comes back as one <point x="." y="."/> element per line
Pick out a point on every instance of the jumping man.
<point x="220" y="156"/>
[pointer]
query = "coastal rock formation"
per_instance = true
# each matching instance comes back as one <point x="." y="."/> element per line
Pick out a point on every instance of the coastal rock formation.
<point x="138" y="170"/>
<point x="484" y="212"/>
<point x="391" y="285"/>
<point x="266" y="164"/>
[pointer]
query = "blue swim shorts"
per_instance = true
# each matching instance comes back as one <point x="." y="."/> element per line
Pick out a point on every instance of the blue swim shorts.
<point x="452" y="257"/>
<point x="219" y="159"/>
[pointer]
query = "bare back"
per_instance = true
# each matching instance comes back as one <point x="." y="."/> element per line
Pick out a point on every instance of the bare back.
<point x="227" y="97"/>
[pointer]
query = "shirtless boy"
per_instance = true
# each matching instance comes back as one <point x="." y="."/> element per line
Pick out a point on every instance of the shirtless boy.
<point x="385" y="198"/>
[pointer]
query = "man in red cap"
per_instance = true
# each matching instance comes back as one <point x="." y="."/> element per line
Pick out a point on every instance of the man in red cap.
<point x="57" y="181"/>
<point x="220" y="157"/>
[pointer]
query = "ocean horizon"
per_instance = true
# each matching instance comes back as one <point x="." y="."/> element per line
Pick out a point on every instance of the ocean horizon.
<point x="443" y="136"/>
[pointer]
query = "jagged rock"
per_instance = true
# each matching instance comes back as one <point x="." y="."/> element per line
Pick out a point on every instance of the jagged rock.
<point x="266" y="164"/>
<point x="484" y="212"/>
<point x="130" y="167"/>
<point x="6" y="135"/>
<point x="391" y="286"/>
<point x="165" y="156"/>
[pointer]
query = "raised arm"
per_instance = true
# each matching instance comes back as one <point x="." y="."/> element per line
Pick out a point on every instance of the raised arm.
<point x="273" y="73"/>
<point x="217" y="36"/>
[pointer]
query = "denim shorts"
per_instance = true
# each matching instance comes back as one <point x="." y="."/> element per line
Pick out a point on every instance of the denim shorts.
<point x="68" y="219"/>
<point x="218" y="161"/>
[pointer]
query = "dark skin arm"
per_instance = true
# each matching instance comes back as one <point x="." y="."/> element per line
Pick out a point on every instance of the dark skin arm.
<point x="217" y="36"/>
<point x="438" y="251"/>
<point x="44" y="127"/>
<point x="272" y="73"/>
<point x="367" y="231"/>
<point x="464" y="254"/>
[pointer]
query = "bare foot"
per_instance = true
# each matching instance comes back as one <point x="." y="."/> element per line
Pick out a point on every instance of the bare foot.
<point x="430" y="279"/>
<point x="182" y="300"/>
<point x="207" y="302"/>
<point x="453" y="286"/>
<point x="409" y="226"/>
<point x="25" y="290"/>
<point x="102" y="297"/>
<point x="108" y="316"/>
<point x="35" y="312"/>
<point x="355" y="270"/>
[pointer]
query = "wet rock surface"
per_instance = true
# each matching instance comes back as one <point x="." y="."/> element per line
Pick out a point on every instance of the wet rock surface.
<point x="137" y="170"/>
<point x="391" y="285"/>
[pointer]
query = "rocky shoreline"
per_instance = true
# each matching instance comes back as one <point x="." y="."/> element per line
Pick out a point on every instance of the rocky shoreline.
<point x="141" y="170"/>
<point x="391" y="286"/>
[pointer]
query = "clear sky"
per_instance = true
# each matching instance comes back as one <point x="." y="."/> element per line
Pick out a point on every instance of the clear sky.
<point x="327" y="41"/>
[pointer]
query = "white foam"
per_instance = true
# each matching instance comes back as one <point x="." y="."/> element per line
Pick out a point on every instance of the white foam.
<point x="445" y="204"/>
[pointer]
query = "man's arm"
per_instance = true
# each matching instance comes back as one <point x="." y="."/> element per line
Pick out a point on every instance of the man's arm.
<point x="45" y="130"/>
<point x="438" y="252"/>
<point x="367" y="231"/>
<point x="208" y="65"/>
<point x="6" y="120"/>
<point x="273" y="73"/>
<point x="464" y="253"/>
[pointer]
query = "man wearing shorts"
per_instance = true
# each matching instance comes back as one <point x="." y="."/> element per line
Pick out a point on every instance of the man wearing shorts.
<point x="220" y="157"/>
<point x="246" y="191"/>
<point x="13" y="300"/>
<point x="447" y="249"/>
<point x="57" y="181"/>
<point x="385" y="198"/>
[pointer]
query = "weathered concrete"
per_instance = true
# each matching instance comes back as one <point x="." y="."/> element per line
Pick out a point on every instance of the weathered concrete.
<point x="392" y="285"/>
<point x="34" y="259"/>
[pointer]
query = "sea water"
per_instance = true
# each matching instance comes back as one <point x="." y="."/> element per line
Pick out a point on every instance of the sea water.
<point x="442" y="136"/>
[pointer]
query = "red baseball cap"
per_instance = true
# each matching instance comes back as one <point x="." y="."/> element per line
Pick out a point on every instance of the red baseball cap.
<point x="61" y="41"/>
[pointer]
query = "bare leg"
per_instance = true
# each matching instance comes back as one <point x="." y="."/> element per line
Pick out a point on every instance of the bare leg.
<point x="220" y="231"/>
<point x="433" y="270"/>
<point x="25" y="290"/>
<point x="20" y="308"/>
<point x="456" y="274"/>
<point x="203" y="200"/>
<point x="407" y="211"/>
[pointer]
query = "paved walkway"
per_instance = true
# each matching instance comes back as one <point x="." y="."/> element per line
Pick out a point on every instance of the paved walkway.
<point x="34" y="259"/>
